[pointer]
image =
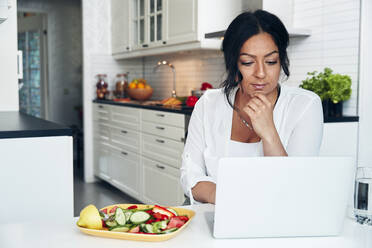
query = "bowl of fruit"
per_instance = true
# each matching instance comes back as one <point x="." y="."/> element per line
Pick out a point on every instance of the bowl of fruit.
<point x="140" y="90"/>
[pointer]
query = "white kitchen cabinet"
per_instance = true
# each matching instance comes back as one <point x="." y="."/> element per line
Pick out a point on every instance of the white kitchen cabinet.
<point x="161" y="184"/>
<point x="133" y="143"/>
<point x="120" y="26"/>
<point x="125" y="171"/>
<point x="182" y="21"/>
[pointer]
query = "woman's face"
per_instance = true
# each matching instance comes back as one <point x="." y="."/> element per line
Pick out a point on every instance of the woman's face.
<point x="259" y="64"/>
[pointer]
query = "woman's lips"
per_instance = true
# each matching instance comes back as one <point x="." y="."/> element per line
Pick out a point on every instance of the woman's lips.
<point x="258" y="86"/>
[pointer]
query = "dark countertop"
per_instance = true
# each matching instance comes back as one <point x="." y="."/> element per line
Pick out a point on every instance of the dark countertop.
<point x="188" y="110"/>
<point x="174" y="109"/>
<point x="14" y="124"/>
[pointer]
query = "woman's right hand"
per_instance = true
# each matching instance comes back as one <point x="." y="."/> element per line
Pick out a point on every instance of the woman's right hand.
<point x="204" y="192"/>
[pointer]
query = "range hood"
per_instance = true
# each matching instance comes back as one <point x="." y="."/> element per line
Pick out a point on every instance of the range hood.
<point x="283" y="9"/>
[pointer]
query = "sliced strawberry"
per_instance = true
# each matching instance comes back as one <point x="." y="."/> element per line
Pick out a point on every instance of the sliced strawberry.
<point x="183" y="218"/>
<point x="160" y="216"/>
<point x="112" y="210"/>
<point x="104" y="210"/>
<point x="103" y="224"/>
<point x="175" y="222"/>
<point x="132" y="207"/>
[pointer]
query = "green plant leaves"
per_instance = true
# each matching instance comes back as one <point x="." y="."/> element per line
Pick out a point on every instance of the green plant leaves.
<point x="326" y="85"/>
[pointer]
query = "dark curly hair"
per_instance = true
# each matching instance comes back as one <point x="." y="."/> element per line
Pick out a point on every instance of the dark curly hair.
<point x="243" y="27"/>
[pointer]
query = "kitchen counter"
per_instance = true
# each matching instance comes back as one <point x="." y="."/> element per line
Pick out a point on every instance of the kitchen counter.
<point x="188" y="110"/>
<point x="64" y="233"/>
<point x="17" y="125"/>
<point x="149" y="105"/>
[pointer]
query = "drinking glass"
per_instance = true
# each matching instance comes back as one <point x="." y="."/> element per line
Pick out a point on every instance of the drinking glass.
<point x="363" y="195"/>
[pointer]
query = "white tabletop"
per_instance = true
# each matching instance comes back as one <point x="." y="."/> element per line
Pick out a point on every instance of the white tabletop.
<point x="197" y="234"/>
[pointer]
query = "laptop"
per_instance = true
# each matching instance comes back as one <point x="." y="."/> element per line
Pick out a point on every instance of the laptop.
<point x="282" y="196"/>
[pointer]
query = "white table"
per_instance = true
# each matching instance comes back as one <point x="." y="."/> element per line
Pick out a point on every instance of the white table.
<point x="197" y="234"/>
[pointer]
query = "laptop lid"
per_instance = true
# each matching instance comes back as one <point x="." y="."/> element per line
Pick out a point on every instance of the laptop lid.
<point x="282" y="196"/>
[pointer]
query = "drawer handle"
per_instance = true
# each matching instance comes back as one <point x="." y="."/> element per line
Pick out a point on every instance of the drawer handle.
<point x="160" y="167"/>
<point x="160" y="115"/>
<point x="100" y="106"/>
<point x="123" y="131"/>
<point x="160" y="141"/>
<point x="160" y="128"/>
<point x="124" y="153"/>
<point x="101" y="119"/>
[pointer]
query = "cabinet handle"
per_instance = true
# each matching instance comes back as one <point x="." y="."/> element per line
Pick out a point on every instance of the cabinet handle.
<point x="101" y="119"/>
<point x="124" y="153"/>
<point x="160" y="128"/>
<point x="127" y="48"/>
<point x="100" y="106"/>
<point x="145" y="45"/>
<point x="123" y="131"/>
<point x="160" y="115"/>
<point x="160" y="141"/>
<point x="160" y="167"/>
<point x="164" y="42"/>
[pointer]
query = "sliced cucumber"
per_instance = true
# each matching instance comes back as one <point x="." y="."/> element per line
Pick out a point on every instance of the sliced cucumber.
<point x="173" y="211"/>
<point x="111" y="223"/>
<point x="127" y="214"/>
<point x="120" y="229"/>
<point x="169" y="230"/>
<point x="157" y="226"/>
<point x="148" y="228"/>
<point x="120" y="217"/>
<point x="139" y="217"/>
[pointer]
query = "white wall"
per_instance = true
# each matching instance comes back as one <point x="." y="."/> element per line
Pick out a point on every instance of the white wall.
<point x="8" y="61"/>
<point x="64" y="56"/>
<point x="97" y="59"/>
<point x="365" y="99"/>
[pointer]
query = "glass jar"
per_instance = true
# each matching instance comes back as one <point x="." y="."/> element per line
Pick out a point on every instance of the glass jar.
<point x="121" y="85"/>
<point x="102" y="86"/>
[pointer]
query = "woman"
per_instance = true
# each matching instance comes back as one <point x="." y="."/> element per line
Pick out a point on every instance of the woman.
<point x="252" y="114"/>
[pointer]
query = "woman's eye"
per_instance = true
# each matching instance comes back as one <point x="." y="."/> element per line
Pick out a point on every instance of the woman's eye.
<point x="247" y="63"/>
<point x="272" y="62"/>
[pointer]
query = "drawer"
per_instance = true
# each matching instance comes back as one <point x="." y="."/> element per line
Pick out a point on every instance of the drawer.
<point x="101" y="132"/>
<point x="125" y="117"/>
<point x="101" y="113"/>
<point x="162" y="117"/>
<point x="125" y="138"/>
<point x="162" y="149"/>
<point x="159" y="178"/>
<point x="172" y="132"/>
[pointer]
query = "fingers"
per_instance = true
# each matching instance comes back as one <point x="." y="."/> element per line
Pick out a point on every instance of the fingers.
<point x="263" y="99"/>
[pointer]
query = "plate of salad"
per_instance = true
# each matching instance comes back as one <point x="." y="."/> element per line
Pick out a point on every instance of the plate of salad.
<point x="134" y="221"/>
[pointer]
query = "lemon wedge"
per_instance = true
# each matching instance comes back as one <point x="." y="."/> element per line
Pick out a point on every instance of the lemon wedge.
<point x="90" y="218"/>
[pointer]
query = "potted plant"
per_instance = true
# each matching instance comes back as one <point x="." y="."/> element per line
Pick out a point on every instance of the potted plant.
<point x="332" y="89"/>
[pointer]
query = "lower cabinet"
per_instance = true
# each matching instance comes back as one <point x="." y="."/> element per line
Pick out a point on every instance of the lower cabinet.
<point x="125" y="171"/>
<point x="139" y="152"/>
<point x="161" y="183"/>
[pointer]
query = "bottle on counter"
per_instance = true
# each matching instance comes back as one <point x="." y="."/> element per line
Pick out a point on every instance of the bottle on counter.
<point x="121" y="85"/>
<point x="102" y="85"/>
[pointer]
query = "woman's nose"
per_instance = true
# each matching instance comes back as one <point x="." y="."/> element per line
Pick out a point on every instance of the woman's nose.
<point x="260" y="70"/>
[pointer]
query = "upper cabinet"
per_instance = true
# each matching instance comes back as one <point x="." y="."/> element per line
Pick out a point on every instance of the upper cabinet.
<point x="150" y="27"/>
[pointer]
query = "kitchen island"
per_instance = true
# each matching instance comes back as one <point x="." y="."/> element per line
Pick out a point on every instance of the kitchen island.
<point x="197" y="234"/>
<point x="36" y="169"/>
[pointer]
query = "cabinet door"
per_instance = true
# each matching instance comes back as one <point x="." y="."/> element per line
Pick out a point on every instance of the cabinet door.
<point x="161" y="184"/>
<point x="103" y="161"/>
<point x="181" y="21"/>
<point x="125" y="171"/>
<point x="156" y="20"/>
<point x="120" y="26"/>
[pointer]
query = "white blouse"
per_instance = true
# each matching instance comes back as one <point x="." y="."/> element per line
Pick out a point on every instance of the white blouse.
<point x="298" y="119"/>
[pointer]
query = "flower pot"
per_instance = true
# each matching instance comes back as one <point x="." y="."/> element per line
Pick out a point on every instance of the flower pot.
<point x="331" y="109"/>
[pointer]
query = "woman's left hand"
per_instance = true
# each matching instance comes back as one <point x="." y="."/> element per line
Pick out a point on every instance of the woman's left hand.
<point x="260" y="111"/>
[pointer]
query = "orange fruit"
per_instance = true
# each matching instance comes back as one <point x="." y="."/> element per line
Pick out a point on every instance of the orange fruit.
<point x="147" y="86"/>
<point x="132" y="85"/>
<point x="140" y="85"/>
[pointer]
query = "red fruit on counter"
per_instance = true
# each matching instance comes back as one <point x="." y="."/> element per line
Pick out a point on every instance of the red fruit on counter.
<point x="206" y="86"/>
<point x="191" y="101"/>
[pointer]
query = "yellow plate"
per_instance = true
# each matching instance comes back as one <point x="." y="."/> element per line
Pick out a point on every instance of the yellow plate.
<point x="138" y="236"/>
